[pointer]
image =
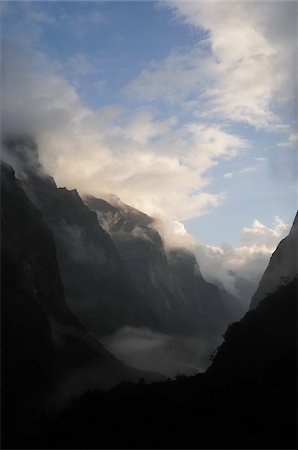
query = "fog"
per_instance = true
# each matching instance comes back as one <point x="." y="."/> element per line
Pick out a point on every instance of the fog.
<point x="169" y="355"/>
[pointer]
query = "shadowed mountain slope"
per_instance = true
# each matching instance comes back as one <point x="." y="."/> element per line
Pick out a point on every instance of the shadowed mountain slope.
<point x="245" y="400"/>
<point x="170" y="281"/>
<point x="98" y="288"/>
<point x="107" y="291"/>
<point x="47" y="355"/>
<point x="282" y="266"/>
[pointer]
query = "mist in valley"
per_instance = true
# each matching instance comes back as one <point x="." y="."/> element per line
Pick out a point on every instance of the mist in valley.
<point x="169" y="355"/>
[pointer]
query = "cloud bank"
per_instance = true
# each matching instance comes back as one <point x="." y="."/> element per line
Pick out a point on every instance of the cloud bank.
<point x="147" y="161"/>
<point x="242" y="69"/>
<point x="237" y="269"/>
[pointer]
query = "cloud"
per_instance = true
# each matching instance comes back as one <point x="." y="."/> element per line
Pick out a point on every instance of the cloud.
<point x="248" y="169"/>
<point x="242" y="69"/>
<point x="249" y="260"/>
<point x="148" y="350"/>
<point x="291" y="142"/>
<point x="142" y="127"/>
<point x="145" y="159"/>
<point x="238" y="269"/>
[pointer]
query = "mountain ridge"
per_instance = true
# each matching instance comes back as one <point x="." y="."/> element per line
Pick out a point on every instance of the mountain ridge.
<point x="152" y="268"/>
<point x="282" y="266"/>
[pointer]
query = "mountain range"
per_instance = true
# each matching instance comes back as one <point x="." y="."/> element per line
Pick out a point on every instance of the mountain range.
<point x="76" y="270"/>
<point x="245" y="399"/>
<point x="114" y="265"/>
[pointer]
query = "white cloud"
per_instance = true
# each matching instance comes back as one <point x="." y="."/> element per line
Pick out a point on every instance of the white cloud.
<point x="248" y="169"/>
<point x="241" y="72"/>
<point x="142" y="126"/>
<point x="225" y="265"/>
<point x="260" y="236"/>
<point x="249" y="260"/>
<point x="291" y="142"/>
<point x="148" y="162"/>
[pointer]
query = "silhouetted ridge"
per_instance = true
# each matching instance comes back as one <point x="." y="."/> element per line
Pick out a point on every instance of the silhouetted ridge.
<point x="37" y="325"/>
<point x="264" y="341"/>
<point x="282" y="266"/>
<point x="47" y="355"/>
<point x="245" y="400"/>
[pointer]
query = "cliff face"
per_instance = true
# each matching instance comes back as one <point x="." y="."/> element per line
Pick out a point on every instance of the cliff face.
<point x="98" y="288"/>
<point x="47" y="355"/>
<point x="214" y="308"/>
<point x="125" y="277"/>
<point x="171" y="282"/>
<point x="42" y="340"/>
<point x="282" y="266"/>
<point x="142" y="251"/>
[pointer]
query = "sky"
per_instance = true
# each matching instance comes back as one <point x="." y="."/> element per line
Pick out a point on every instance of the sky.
<point x="185" y="110"/>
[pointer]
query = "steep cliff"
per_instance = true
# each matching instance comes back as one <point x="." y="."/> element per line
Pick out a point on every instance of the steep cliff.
<point x="212" y="306"/>
<point x="47" y="355"/>
<point x="98" y="288"/>
<point x="282" y="266"/>
<point x="170" y="281"/>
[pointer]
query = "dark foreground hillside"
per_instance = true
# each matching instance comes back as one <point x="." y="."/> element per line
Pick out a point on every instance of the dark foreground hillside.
<point x="245" y="400"/>
<point x="47" y="355"/>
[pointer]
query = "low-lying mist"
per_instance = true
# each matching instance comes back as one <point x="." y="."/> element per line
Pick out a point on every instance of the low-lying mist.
<point x="144" y="349"/>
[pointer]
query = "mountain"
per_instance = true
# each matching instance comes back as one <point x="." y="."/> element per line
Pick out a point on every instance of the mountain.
<point x="142" y="251"/>
<point x="212" y="305"/>
<point x="246" y="399"/>
<point x="235" y="305"/>
<point x="170" y="281"/>
<point x="282" y="266"/>
<point x="42" y="340"/>
<point x="122" y="276"/>
<point x="98" y="287"/>
<point x="47" y="355"/>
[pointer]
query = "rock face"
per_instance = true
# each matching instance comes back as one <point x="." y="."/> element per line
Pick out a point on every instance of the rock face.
<point x="122" y="276"/>
<point x="171" y="282"/>
<point x="212" y="307"/>
<point x="98" y="288"/>
<point x="142" y="251"/>
<point x="282" y="266"/>
<point x="43" y="342"/>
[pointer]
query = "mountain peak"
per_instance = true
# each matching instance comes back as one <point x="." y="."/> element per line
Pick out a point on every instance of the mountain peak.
<point x="21" y="152"/>
<point x="282" y="267"/>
